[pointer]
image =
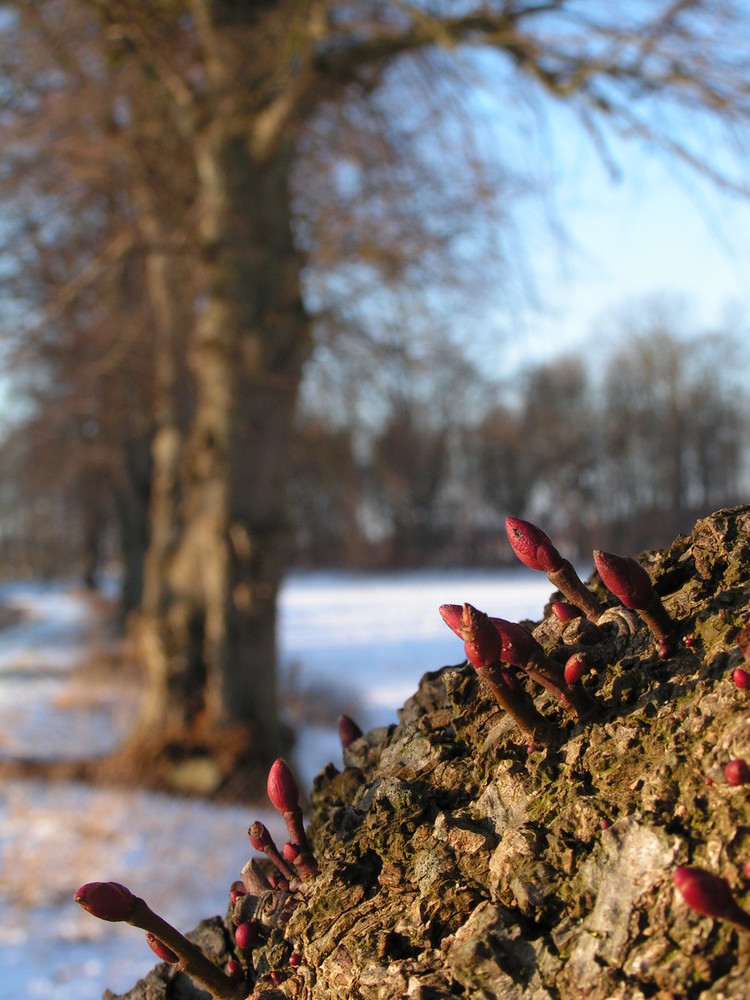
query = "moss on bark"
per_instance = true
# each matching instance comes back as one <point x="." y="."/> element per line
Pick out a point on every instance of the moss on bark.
<point x="456" y="861"/>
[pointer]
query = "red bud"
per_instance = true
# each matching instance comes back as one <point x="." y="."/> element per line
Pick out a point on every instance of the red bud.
<point x="517" y="643"/>
<point x="349" y="731"/>
<point x="575" y="668"/>
<point x="626" y="578"/>
<point x="259" y="836"/>
<point x="291" y="852"/>
<point x="532" y="546"/>
<point x="453" y="616"/>
<point x="483" y="644"/>
<point x="246" y="934"/>
<point x="565" y="612"/>
<point x="160" y="949"/>
<point x="741" y="678"/>
<point x="705" y="893"/>
<point x="106" y="900"/>
<point x="236" y="890"/>
<point x="234" y="970"/>
<point x="282" y="787"/>
<point x="737" y="772"/>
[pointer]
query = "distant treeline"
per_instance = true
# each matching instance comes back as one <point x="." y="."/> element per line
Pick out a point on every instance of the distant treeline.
<point x="623" y="454"/>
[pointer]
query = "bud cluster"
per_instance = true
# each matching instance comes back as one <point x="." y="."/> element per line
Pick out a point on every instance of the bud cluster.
<point x="260" y="902"/>
<point x="499" y="650"/>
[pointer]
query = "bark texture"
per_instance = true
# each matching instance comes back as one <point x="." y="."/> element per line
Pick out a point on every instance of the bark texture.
<point x="456" y="861"/>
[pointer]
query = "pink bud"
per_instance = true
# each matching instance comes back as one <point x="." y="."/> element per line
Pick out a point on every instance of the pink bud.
<point x="741" y="678"/>
<point x="349" y="731"/>
<point x="565" y="612"/>
<point x="453" y="616"/>
<point x="532" y="546"/>
<point x="575" y="668"/>
<point x="259" y="836"/>
<point x="236" y="890"/>
<point x="282" y="787"/>
<point x="106" y="900"/>
<point x="482" y="642"/>
<point x="705" y="893"/>
<point x="246" y="934"/>
<point x="234" y="970"/>
<point x="160" y="949"/>
<point x="746" y="868"/>
<point x="517" y="643"/>
<point x="737" y="772"/>
<point x="626" y="578"/>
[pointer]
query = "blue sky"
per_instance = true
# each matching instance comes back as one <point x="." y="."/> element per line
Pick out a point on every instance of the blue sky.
<point x="657" y="231"/>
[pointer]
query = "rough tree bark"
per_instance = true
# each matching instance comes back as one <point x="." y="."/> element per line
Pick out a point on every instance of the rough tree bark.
<point x="457" y="861"/>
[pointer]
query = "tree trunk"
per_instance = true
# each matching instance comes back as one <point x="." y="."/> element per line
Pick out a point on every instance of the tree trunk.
<point x="251" y="340"/>
<point x="207" y="634"/>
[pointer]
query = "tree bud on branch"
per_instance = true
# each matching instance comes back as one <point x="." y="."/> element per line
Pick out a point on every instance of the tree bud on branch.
<point x="112" y="901"/>
<point x="483" y="646"/>
<point x="737" y="772"/>
<point x="710" y="895"/>
<point x="349" y="731"/>
<point x="284" y="795"/>
<point x="106" y="900"/>
<point x="262" y="841"/>
<point x="160" y="950"/>
<point x="535" y="549"/>
<point x="630" y="582"/>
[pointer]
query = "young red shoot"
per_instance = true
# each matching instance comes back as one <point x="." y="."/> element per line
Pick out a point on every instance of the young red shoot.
<point x="106" y="900"/>
<point x="520" y="649"/>
<point x="630" y="582"/>
<point x="246" y="935"/>
<point x="710" y="896"/>
<point x="284" y="795"/>
<point x="161" y="951"/>
<point x="565" y="612"/>
<point x="575" y="667"/>
<point x="737" y="772"/>
<point x="349" y="731"/>
<point x="741" y="678"/>
<point x="483" y="646"/>
<point x="535" y="549"/>
<point x="112" y="901"/>
<point x="262" y="841"/>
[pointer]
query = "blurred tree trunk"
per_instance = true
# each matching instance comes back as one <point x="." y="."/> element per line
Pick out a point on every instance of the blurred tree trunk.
<point x="208" y="632"/>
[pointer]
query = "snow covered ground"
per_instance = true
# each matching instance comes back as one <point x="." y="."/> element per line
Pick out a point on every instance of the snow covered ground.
<point x="357" y="643"/>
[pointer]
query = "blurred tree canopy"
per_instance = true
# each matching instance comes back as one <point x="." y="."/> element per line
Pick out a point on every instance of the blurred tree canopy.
<point x="200" y="194"/>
